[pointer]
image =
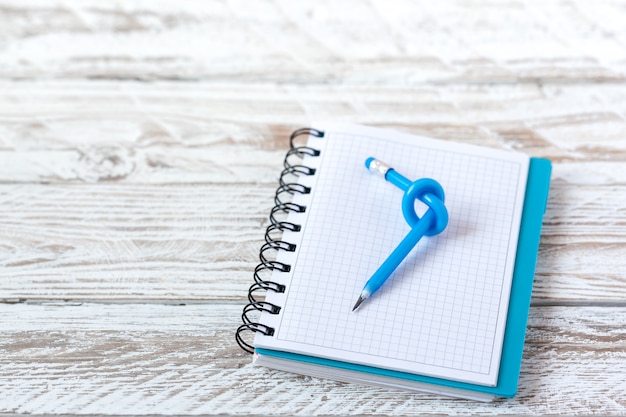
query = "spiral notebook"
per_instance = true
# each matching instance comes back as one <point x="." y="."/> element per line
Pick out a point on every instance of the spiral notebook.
<point x="452" y="318"/>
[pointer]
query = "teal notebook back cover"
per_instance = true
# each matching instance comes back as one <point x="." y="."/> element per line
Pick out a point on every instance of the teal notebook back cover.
<point x="535" y="201"/>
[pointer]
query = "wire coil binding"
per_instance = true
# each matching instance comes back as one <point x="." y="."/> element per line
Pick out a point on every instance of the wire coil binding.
<point x="273" y="243"/>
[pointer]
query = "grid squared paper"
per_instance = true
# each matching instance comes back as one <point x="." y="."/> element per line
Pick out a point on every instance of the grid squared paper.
<point x="443" y="311"/>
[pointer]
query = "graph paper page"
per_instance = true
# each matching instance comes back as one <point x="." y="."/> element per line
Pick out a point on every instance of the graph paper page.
<point x="443" y="311"/>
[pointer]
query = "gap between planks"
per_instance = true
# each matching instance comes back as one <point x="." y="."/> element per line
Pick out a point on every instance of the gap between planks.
<point x="241" y="302"/>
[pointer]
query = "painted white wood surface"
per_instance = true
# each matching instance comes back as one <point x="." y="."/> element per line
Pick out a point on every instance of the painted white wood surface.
<point x="395" y="42"/>
<point x="132" y="192"/>
<point x="160" y="359"/>
<point x="131" y="212"/>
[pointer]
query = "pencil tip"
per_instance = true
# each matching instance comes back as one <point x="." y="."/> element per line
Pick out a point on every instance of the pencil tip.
<point x="362" y="298"/>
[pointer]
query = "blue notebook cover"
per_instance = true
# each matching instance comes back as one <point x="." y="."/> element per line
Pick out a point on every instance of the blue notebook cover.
<point x="532" y="217"/>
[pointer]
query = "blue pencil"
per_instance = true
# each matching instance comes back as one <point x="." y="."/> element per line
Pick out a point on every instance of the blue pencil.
<point x="434" y="221"/>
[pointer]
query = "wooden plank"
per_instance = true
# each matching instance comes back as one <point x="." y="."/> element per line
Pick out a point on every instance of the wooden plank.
<point x="105" y="134"/>
<point x="130" y="242"/>
<point x="206" y="132"/>
<point x="395" y="43"/>
<point x="156" y="359"/>
<point x="191" y="242"/>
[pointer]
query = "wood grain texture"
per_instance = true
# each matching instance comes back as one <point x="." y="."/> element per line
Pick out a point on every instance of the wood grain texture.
<point x="377" y="42"/>
<point x="127" y="191"/>
<point x="140" y="145"/>
<point x="155" y="359"/>
<point x="233" y="133"/>
<point x="194" y="242"/>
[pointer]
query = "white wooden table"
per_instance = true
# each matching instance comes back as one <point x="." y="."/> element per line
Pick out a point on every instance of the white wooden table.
<point x="140" y="146"/>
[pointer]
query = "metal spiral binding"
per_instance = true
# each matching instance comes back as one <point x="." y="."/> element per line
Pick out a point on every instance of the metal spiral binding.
<point x="287" y="188"/>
